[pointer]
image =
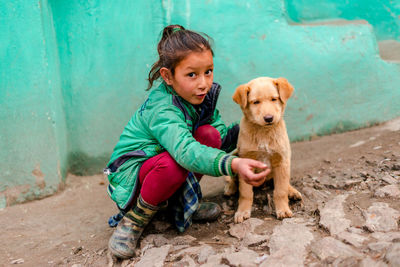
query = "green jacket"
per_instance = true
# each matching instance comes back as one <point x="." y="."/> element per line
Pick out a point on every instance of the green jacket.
<point x="166" y="122"/>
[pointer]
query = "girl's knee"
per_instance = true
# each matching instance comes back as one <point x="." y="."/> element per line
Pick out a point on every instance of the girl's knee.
<point x="208" y="135"/>
<point x="170" y="168"/>
<point x="161" y="166"/>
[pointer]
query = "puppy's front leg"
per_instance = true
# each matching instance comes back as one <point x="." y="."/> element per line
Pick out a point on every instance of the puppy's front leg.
<point x="245" y="201"/>
<point x="281" y="191"/>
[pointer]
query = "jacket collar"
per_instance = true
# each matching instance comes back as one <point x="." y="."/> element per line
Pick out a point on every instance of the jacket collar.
<point x="168" y="88"/>
<point x="208" y="105"/>
<point x="211" y="97"/>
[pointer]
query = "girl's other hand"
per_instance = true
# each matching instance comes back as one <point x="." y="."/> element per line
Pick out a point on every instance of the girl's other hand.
<point x="245" y="169"/>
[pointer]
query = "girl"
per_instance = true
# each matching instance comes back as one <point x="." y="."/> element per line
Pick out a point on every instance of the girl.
<point x="175" y="136"/>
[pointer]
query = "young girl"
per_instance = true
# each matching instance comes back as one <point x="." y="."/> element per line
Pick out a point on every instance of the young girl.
<point x="175" y="136"/>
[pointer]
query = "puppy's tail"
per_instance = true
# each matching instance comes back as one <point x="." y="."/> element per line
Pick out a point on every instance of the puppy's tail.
<point x="230" y="186"/>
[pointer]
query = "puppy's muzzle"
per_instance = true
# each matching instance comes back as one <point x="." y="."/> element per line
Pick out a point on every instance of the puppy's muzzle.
<point x="269" y="119"/>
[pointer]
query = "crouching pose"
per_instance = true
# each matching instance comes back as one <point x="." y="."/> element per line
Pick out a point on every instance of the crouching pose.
<point x="175" y="137"/>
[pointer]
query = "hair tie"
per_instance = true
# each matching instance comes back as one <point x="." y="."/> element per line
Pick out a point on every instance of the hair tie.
<point x="174" y="30"/>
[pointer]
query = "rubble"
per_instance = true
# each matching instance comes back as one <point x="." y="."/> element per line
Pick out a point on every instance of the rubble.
<point x="349" y="216"/>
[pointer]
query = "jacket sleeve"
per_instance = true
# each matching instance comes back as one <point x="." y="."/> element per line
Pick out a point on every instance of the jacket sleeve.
<point x="229" y="135"/>
<point x="171" y="131"/>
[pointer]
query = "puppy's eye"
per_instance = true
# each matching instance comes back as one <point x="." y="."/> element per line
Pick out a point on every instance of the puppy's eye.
<point x="256" y="102"/>
<point x="274" y="99"/>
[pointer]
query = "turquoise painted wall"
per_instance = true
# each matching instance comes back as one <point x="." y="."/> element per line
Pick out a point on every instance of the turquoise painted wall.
<point x="32" y="130"/>
<point x="73" y="73"/>
<point x="105" y="50"/>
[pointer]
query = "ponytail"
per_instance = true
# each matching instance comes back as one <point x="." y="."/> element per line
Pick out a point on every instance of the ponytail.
<point x="175" y="44"/>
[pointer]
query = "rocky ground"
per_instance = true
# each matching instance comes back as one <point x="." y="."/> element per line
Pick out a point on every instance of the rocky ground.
<point x="349" y="216"/>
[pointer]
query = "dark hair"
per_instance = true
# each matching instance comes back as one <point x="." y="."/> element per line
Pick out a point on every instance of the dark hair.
<point x="175" y="44"/>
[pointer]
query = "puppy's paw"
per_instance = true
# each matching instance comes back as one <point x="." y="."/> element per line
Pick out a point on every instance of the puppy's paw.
<point x="294" y="194"/>
<point x="284" y="213"/>
<point x="240" y="216"/>
<point x="230" y="187"/>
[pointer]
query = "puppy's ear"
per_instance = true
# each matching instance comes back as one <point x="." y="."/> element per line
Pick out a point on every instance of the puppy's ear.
<point x="285" y="89"/>
<point x="240" y="95"/>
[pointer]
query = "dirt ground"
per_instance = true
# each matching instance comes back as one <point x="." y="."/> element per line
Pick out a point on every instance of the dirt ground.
<point x="70" y="228"/>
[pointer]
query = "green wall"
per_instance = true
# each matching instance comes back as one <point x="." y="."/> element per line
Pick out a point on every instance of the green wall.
<point x="73" y="72"/>
<point x="32" y="130"/>
<point x="105" y="50"/>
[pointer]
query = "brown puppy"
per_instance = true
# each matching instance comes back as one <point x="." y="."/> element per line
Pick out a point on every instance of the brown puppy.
<point x="263" y="137"/>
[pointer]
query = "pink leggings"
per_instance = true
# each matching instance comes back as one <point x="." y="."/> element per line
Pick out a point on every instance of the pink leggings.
<point x="161" y="176"/>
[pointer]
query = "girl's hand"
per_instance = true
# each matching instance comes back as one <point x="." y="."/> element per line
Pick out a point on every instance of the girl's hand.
<point x="245" y="169"/>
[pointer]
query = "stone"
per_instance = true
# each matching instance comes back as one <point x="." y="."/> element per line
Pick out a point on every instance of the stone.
<point x="17" y="261"/>
<point x="261" y="258"/>
<point x="368" y="262"/>
<point x="339" y="182"/>
<point x="344" y="262"/>
<point x="243" y="258"/>
<point x="205" y="252"/>
<point x="154" y="257"/>
<point x="331" y="247"/>
<point x="358" y="143"/>
<point x="395" y="167"/>
<point x="389" y="179"/>
<point x="241" y="229"/>
<point x="183" y="240"/>
<point x="282" y="258"/>
<point x="379" y="246"/>
<point x="291" y="232"/>
<point x="194" y="251"/>
<point x="314" y="194"/>
<point x="288" y="243"/>
<point x="354" y="239"/>
<point x="329" y="182"/>
<point x="349" y="183"/>
<point x="393" y="255"/>
<point x="178" y="248"/>
<point x="380" y="217"/>
<point x="391" y="190"/>
<point x="332" y="216"/>
<point x="251" y="239"/>
<point x="153" y="240"/>
<point x="388" y="236"/>
<point x="186" y="261"/>
<point x="214" y="260"/>
<point x="355" y="230"/>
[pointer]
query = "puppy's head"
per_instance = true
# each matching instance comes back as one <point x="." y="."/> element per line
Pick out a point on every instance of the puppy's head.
<point x="263" y="100"/>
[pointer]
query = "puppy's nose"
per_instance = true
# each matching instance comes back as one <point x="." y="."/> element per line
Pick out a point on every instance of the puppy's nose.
<point x="268" y="118"/>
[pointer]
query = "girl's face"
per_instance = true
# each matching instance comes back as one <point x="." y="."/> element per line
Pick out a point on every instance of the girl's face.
<point x="193" y="76"/>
